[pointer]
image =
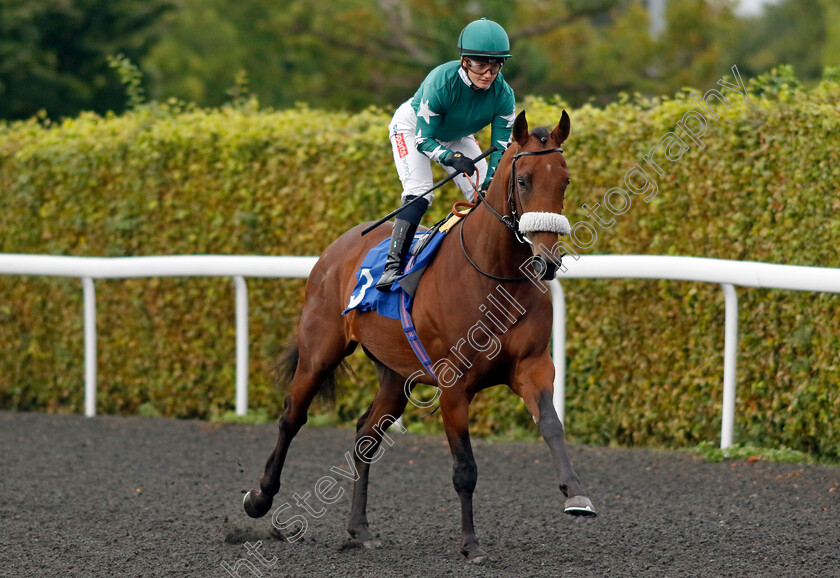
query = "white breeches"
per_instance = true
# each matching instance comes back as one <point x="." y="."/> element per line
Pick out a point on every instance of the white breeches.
<point x="415" y="168"/>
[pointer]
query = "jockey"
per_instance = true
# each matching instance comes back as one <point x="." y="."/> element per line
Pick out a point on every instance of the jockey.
<point x="456" y="100"/>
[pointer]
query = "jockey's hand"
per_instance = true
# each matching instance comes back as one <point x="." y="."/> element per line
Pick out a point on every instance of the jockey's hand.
<point x="460" y="163"/>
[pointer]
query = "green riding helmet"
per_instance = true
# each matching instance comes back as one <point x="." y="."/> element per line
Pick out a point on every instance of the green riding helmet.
<point x="485" y="40"/>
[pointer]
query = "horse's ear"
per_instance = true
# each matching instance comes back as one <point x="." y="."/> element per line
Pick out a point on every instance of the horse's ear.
<point x="561" y="131"/>
<point x="520" y="129"/>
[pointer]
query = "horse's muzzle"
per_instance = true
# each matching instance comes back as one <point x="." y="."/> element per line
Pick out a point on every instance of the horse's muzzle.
<point x="544" y="269"/>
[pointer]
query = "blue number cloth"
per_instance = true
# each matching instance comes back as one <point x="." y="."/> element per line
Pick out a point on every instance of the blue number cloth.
<point x="365" y="296"/>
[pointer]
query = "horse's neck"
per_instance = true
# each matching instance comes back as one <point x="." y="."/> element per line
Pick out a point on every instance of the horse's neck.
<point x="492" y="246"/>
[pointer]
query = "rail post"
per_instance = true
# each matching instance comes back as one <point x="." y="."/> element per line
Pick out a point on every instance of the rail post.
<point x="241" y="345"/>
<point x="730" y="361"/>
<point x="90" y="345"/>
<point x="558" y="347"/>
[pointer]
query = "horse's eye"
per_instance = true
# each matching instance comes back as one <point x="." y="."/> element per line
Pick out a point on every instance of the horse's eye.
<point x="521" y="181"/>
<point x="569" y="182"/>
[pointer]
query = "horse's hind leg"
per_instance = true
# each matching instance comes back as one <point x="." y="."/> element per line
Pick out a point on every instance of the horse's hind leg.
<point x="386" y="408"/>
<point x="455" y="406"/>
<point x="319" y="354"/>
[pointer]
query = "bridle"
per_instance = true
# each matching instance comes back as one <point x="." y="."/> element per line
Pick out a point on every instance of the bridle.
<point x="510" y="221"/>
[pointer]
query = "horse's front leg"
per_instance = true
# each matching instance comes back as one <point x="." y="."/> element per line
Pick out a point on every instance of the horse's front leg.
<point x="455" y="409"/>
<point x="534" y="383"/>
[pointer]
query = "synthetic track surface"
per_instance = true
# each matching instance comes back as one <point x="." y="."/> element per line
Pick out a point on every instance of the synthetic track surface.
<point x="112" y="496"/>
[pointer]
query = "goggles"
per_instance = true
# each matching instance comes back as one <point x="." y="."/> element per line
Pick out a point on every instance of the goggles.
<point x="483" y="67"/>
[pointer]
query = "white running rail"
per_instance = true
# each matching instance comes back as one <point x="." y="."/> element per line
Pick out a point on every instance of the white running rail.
<point x="90" y="268"/>
<point x="726" y="273"/>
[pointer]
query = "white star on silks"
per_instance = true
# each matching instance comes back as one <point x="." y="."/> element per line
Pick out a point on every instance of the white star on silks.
<point x="510" y="118"/>
<point x="425" y="112"/>
<point x="504" y="144"/>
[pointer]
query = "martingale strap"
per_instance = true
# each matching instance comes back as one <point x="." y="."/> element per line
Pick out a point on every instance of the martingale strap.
<point x="411" y="331"/>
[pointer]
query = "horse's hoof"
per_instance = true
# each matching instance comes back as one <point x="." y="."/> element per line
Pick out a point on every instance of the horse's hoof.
<point x="253" y="509"/>
<point x="473" y="553"/>
<point x="580" y="506"/>
<point x="363" y="535"/>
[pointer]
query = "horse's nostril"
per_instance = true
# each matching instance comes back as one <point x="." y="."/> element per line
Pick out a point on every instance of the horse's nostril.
<point x="538" y="266"/>
<point x="544" y="269"/>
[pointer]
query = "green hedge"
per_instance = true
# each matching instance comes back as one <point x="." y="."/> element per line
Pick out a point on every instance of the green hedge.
<point x="645" y="358"/>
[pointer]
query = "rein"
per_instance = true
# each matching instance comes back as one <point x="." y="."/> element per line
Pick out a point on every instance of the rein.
<point x="510" y="221"/>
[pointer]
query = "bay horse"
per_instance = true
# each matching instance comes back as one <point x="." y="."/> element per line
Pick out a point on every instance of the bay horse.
<point x="531" y="180"/>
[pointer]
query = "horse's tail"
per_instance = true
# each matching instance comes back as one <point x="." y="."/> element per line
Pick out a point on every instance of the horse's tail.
<point x="286" y="365"/>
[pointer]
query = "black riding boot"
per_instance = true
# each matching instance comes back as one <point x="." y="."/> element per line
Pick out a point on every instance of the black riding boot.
<point x="398" y="249"/>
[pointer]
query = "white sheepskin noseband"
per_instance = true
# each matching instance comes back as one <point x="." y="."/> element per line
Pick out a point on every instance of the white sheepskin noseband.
<point x="539" y="222"/>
